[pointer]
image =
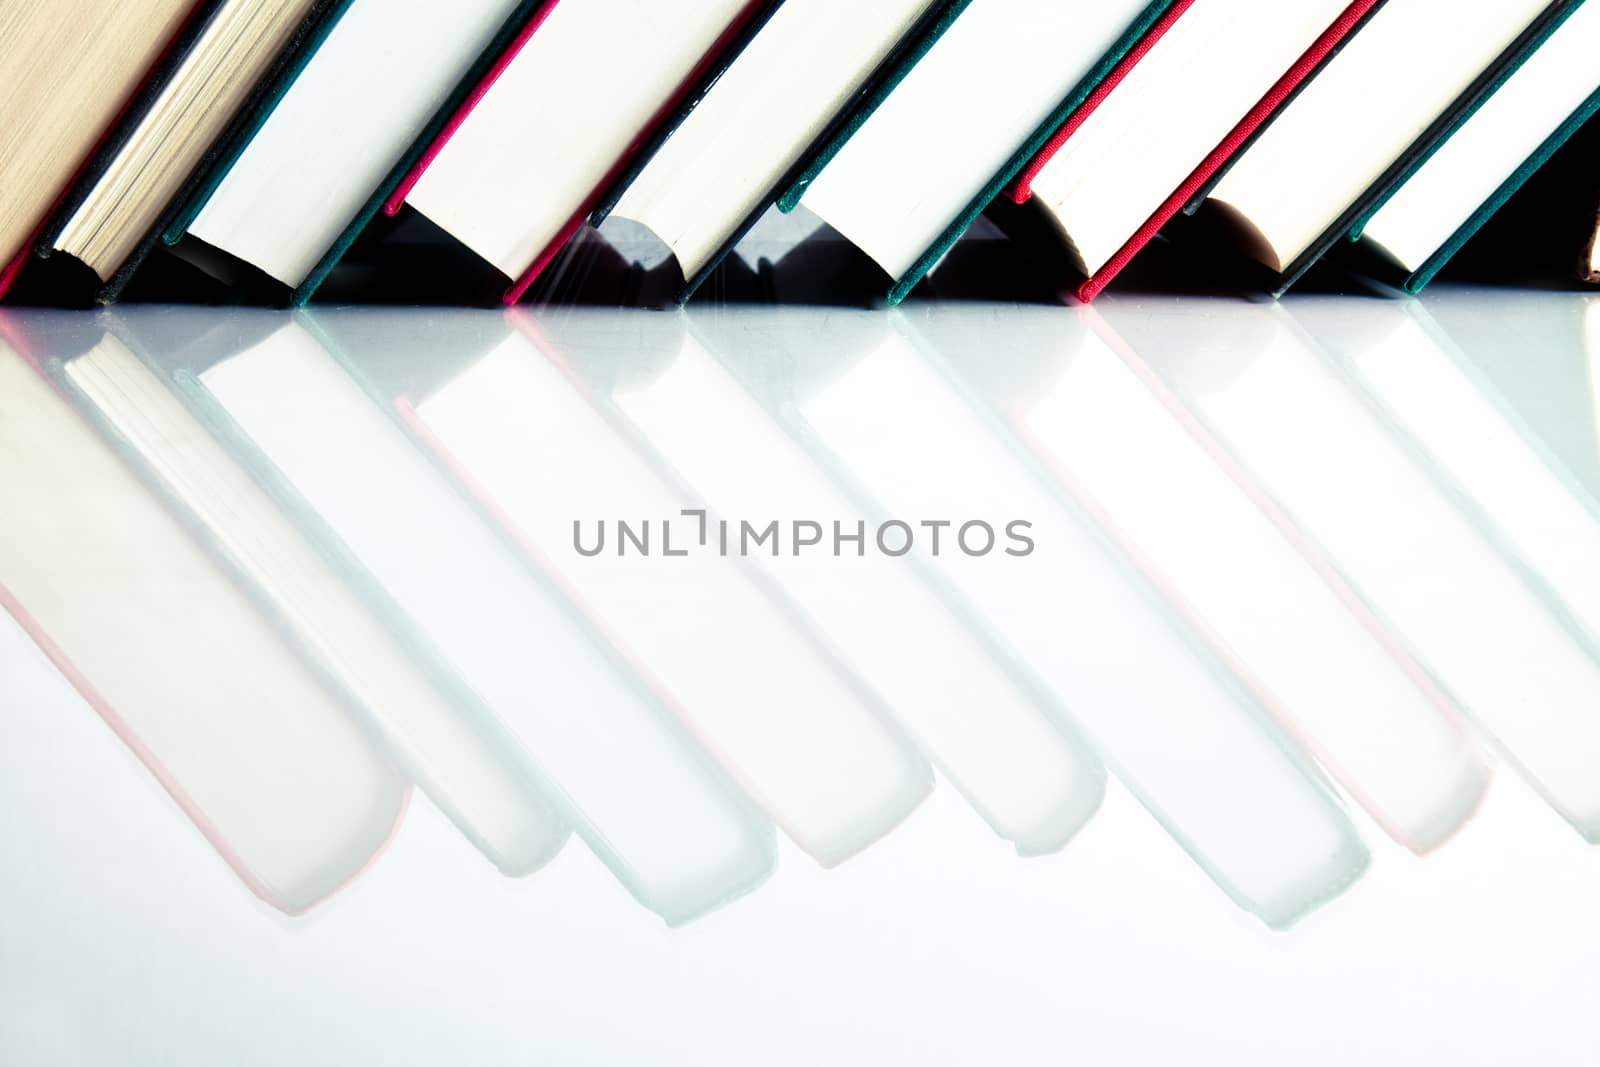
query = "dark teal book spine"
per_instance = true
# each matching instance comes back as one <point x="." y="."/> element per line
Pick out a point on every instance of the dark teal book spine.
<point x="1430" y="270"/>
<point x="227" y="153"/>
<point x="791" y="198"/>
<point x="1526" y="52"/>
<point x="1463" y="107"/>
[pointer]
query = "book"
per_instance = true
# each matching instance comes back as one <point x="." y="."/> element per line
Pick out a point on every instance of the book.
<point x="640" y="793"/>
<point x="512" y="177"/>
<point x="789" y="719"/>
<point x="1274" y="397"/>
<point x="1415" y="230"/>
<point x="1031" y="779"/>
<point x="71" y="66"/>
<point x="1116" y="440"/>
<point x="1355" y="129"/>
<point x="1132" y="158"/>
<point x="443" y="745"/>
<point x="1535" y="239"/>
<point x="197" y="681"/>
<point x="775" y="105"/>
<point x="345" y="130"/>
<point x="950" y="128"/>
<point x="114" y="215"/>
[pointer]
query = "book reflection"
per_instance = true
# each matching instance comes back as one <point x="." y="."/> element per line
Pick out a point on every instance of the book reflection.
<point x="1296" y="580"/>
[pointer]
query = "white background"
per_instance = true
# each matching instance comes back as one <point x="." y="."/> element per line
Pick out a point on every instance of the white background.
<point x="126" y="941"/>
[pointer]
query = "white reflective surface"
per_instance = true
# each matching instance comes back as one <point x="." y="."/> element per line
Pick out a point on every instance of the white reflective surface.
<point x="1199" y="595"/>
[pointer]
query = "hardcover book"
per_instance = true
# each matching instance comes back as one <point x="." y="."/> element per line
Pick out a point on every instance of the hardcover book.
<point x="71" y="67"/>
<point x="342" y="132"/>
<point x="775" y="106"/>
<point x="948" y="130"/>
<point x="1380" y="106"/>
<point x="514" y="178"/>
<point x="1169" y="120"/>
<point x="1448" y="197"/>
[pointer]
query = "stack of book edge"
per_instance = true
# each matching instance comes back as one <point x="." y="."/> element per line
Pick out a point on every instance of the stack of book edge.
<point x="263" y="151"/>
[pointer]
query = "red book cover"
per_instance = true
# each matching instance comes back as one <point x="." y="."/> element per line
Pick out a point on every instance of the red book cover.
<point x="685" y="91"/>
<point x="8" y="273"/>
<point x="1237" y="138"/>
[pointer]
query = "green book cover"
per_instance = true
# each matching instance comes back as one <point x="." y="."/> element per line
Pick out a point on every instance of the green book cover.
<point x="1350" y="221"/>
